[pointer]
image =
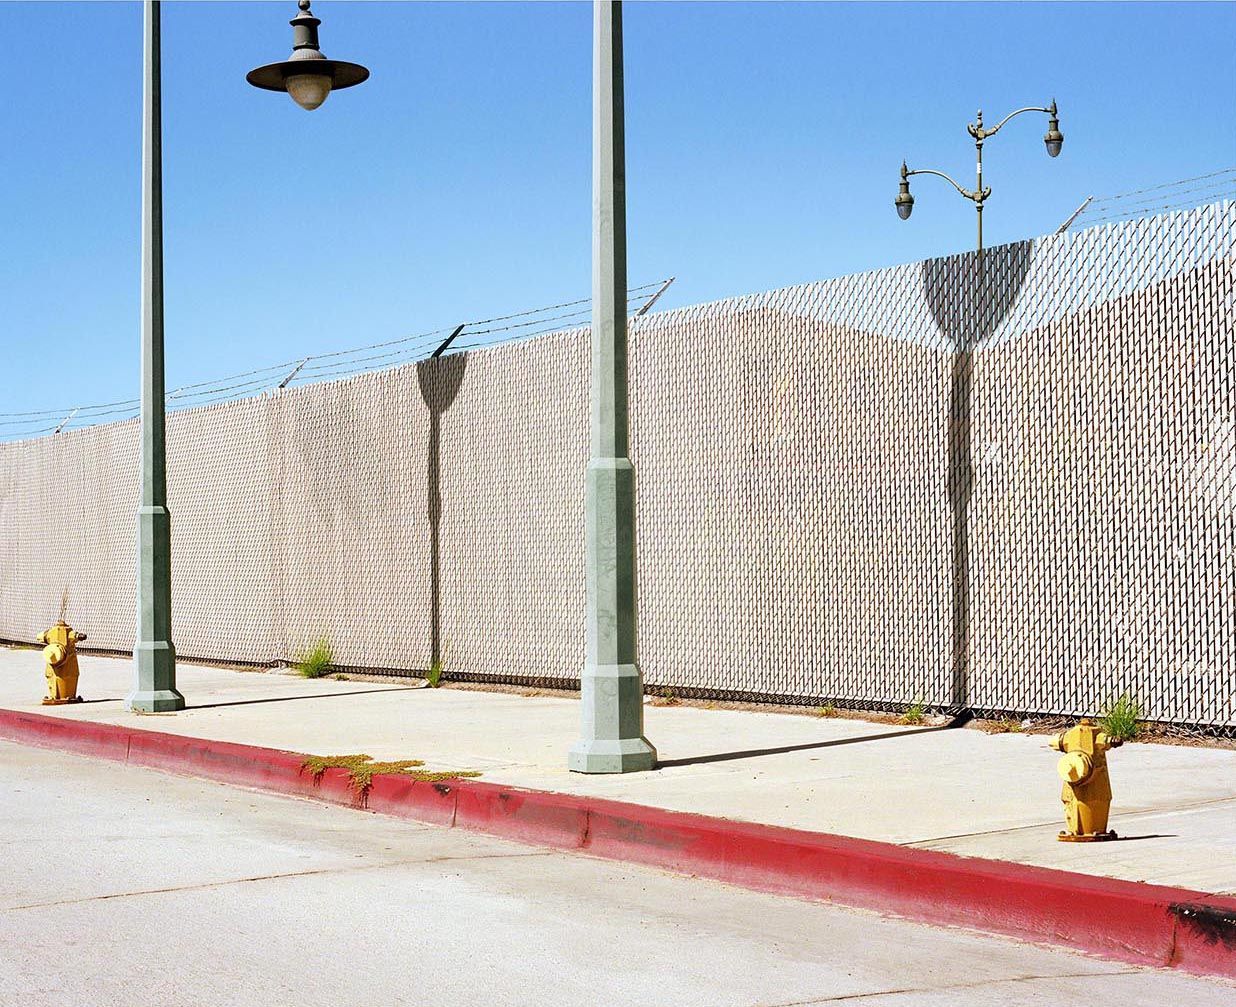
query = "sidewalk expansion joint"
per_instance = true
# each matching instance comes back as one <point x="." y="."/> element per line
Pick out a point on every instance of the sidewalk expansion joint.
<point x="1123" y="816"/>
<point x="207" y="885"/>
<point x="984" y="984"/>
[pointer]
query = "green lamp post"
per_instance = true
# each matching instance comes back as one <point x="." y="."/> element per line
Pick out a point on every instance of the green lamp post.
<point x="154" y="657"/>
<point x="308" y="77"/>
<point x="611" y="685"/>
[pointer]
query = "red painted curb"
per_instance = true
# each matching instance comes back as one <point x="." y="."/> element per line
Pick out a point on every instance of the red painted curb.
<point x="1124" y="920"/>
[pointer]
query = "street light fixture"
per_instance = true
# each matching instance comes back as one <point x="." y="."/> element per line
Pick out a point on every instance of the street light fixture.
<point x="967" y="337"/>
<point x="904" y="201"/>
<point x="307" y="75"/>
<point x="1053" y="139"/>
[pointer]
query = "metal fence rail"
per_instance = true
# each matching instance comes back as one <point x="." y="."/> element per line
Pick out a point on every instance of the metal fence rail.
<point x="1009" y="485"/>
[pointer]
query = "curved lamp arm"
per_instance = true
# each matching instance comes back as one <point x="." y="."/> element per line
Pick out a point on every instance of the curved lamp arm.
<point x="977" y="131"/>
<point x="969" y="194"/>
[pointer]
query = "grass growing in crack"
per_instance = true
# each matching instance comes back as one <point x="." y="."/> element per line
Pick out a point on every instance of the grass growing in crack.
<point x="316" y="662"/>
<point x="362" y="769"/>
<point x="664" y="697"/>
<point x="1119" y="720"/>
<point x="434" y="675"/>
<point x="826" y="711"/>
<point x="915" y="714"/>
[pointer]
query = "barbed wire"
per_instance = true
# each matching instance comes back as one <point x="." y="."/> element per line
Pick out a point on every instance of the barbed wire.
<point x="1165" y="185"/>
<point x="1139" y="211"/>
<point x="330" y="365"/>
<point x="1180" y="194"/>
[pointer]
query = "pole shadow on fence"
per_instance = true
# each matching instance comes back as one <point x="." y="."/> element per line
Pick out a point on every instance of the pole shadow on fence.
<point x="969" y="296"/>
<point x="440" y="379"/>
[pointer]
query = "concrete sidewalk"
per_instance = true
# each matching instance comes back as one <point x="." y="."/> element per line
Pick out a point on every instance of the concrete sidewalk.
<point x="960" y="791"/>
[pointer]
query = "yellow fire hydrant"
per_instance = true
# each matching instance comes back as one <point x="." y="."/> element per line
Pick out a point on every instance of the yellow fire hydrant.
<point x="61" y="670"/>
<point x="1087" y="790"/>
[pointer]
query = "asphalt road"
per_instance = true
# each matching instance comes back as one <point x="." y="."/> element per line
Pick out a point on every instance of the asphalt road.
<point x="125" y="887"/>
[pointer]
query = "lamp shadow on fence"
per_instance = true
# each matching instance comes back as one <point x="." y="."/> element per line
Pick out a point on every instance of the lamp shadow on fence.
<point x="440" y="379"/>
<point x="969" y="296"/>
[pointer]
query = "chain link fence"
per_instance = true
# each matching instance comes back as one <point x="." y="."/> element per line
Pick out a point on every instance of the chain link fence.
<point x="1005" y="484"/>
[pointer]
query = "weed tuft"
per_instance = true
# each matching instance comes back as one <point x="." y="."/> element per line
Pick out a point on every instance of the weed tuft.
<point x="435" y="673"/>
<point x="916" y="714"/>
<point x="1119" y="720"/>
<point x="316" y="662"/>
<point x="826" y="711"/>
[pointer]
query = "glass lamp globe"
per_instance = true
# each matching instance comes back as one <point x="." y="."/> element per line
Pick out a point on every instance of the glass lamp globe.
<point x="308" y="90"/>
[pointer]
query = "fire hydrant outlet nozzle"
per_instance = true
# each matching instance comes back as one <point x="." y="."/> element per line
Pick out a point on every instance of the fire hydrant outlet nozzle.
<point x="60" y="653"/>
<point x="1074" y="768"/>
<point x="1087" y="790"/>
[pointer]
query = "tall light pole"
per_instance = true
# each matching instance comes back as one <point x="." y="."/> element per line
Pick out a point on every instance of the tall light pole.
<point x="309" y="77"/>
<point x="611" y="686"/>
<point x="154" y="657"/>
<point x="1054" y="140"/>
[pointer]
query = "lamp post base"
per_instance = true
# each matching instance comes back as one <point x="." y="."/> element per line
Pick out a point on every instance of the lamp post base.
<point x="630" y="755"/>
<point x="162" y="701"/>
<point x="612" y="700"/>
<point x="154" y="690"/>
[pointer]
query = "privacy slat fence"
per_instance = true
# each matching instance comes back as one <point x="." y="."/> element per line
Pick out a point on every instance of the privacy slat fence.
<point x="1008" y="484"/>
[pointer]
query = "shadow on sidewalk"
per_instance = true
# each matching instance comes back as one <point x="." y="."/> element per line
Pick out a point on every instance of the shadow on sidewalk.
<point x="729" y="756"/>
<point x="285" y="699"/>
<point x="1149" y="835"/>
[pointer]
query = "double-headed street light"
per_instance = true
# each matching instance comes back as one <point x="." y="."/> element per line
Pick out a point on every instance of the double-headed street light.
<point x="1053" y="140"/>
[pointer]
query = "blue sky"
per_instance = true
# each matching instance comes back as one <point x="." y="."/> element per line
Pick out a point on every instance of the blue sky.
<point x="763" y="143"/>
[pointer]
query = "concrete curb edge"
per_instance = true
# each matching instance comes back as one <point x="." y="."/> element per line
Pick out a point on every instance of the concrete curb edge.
<point x="1122" y="920"/>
